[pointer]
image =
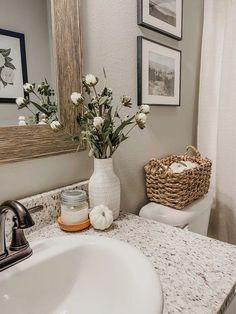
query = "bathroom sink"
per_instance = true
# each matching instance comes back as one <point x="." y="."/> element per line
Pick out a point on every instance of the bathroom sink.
<point x="81" y="274"/>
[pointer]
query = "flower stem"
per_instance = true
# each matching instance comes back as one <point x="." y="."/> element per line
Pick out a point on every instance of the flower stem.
<point x="31" y="111"/>
<point x="37" y="96"/>
<point x="131" y="129"/>
<point x="96" y="94"/>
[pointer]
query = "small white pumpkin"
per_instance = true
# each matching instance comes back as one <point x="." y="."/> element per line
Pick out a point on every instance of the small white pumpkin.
<point x="101" y="217"/>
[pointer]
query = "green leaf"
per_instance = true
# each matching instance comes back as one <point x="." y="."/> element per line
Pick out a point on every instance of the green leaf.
<point x="89" y="115"/>
<point x="103" y="100"/>
<point x="110" y="146"/>
<point x="108" y="123"/>
<point x="40" y="108"/>
<point x="122" y="126"/>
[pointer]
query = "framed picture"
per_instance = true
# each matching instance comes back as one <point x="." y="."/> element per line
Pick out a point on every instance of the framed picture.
<point x="159" y="74"/>
<point x="164" y="16"/>
<point x="13" y="69"/>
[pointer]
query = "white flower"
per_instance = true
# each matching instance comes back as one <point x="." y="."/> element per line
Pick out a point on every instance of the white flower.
<point x="109" y="91"/>
<point x="28" y="87"/>
<point x="141" y="119"/>
<point x="77" y="98"/>
<point x="43" y="119"/>
<point x="20" y="101"/>
<point x="145" y="109"/>
<point x="90" y="80"/>
<point x="56" y="126"/>
<point x="98" y="122"/>
<point x="7" y="75"/>
<point x="2" y="60"/>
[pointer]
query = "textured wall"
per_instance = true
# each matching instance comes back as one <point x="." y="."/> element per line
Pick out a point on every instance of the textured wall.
<point x="109" y="34"/>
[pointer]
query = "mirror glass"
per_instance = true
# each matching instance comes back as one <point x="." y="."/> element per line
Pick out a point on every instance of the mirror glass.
<point x="26" y="56"/>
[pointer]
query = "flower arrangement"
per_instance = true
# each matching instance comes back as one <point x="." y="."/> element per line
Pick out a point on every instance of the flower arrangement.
<point x="102" y="126"/>
<point x="41" y="99"/>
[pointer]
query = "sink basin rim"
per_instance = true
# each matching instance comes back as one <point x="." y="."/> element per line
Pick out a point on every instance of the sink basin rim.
<point x="141" y="267"/>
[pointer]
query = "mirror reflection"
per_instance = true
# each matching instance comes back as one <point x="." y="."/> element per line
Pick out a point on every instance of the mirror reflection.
<point x="27" y="75"/>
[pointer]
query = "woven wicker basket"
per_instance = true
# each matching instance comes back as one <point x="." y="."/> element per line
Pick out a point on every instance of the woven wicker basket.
<point x="177" y="190"/>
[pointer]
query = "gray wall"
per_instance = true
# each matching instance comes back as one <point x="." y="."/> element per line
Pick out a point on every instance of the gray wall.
<point x="109" y="33"/>
<point x="28" y="17"/>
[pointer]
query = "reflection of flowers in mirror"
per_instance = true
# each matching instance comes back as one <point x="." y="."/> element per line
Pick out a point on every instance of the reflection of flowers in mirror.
<point x="91" y="80"/>
<point x="76" y="98"/>
<point x="21" y="120"/>
<point x="41" y="103"/>
<point x="21" y="101"/>
<point x="28" y="88"/>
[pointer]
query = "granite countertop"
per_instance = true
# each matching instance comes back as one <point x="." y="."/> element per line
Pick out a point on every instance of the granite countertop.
<point x="198" y="274"/>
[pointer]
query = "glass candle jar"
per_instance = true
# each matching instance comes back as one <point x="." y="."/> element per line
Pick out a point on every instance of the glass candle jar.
<point x="74" y="207"/>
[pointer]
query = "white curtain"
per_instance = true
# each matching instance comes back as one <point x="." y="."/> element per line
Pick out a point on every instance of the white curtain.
<point x="217" y="112"/>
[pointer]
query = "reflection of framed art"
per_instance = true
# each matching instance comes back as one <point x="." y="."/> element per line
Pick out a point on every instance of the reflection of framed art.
<point x="13" y="68"/>
<point x="164" y="16"/>
<point x="159" y="74"/>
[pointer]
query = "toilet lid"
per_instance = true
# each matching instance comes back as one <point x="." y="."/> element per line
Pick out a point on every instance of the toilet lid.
<point x="174" y="217"/>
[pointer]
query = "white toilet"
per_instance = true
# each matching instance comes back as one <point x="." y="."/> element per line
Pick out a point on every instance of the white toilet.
<point x="195" y="216"/>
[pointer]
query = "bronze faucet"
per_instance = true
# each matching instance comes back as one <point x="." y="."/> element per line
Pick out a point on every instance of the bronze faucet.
<point x="19" y="248"/>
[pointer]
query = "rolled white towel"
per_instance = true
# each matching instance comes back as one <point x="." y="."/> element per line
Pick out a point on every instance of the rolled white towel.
<point x="178" y="167"/>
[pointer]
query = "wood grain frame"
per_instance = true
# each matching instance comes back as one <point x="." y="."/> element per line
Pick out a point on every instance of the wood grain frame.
<point x="19" y="143"/>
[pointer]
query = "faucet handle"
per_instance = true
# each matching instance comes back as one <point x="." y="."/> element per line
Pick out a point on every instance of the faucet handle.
<point x="18" y="241"/>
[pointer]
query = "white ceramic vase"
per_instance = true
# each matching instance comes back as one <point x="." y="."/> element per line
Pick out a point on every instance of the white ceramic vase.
<point x="104" y="186"/>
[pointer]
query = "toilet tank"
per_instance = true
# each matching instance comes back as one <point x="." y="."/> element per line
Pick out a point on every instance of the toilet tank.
<point x="200" y="223"/>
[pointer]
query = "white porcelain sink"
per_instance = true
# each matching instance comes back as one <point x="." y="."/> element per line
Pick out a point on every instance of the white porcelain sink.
<point x="81" y="275"/>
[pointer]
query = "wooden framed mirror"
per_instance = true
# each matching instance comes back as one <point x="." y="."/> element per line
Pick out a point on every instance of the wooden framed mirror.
<point x="26" y="142"/>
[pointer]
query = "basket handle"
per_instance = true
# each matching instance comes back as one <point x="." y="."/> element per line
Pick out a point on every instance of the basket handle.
<point x="194" y="149"/>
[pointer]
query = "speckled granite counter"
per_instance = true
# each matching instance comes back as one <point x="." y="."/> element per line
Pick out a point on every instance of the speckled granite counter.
<point x="198" y="274"/>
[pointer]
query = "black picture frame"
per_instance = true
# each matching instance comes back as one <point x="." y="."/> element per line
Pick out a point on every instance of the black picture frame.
<point x="21" y="38"/>
<point x="141" y="22"/>
<point x="140" y="40"/>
